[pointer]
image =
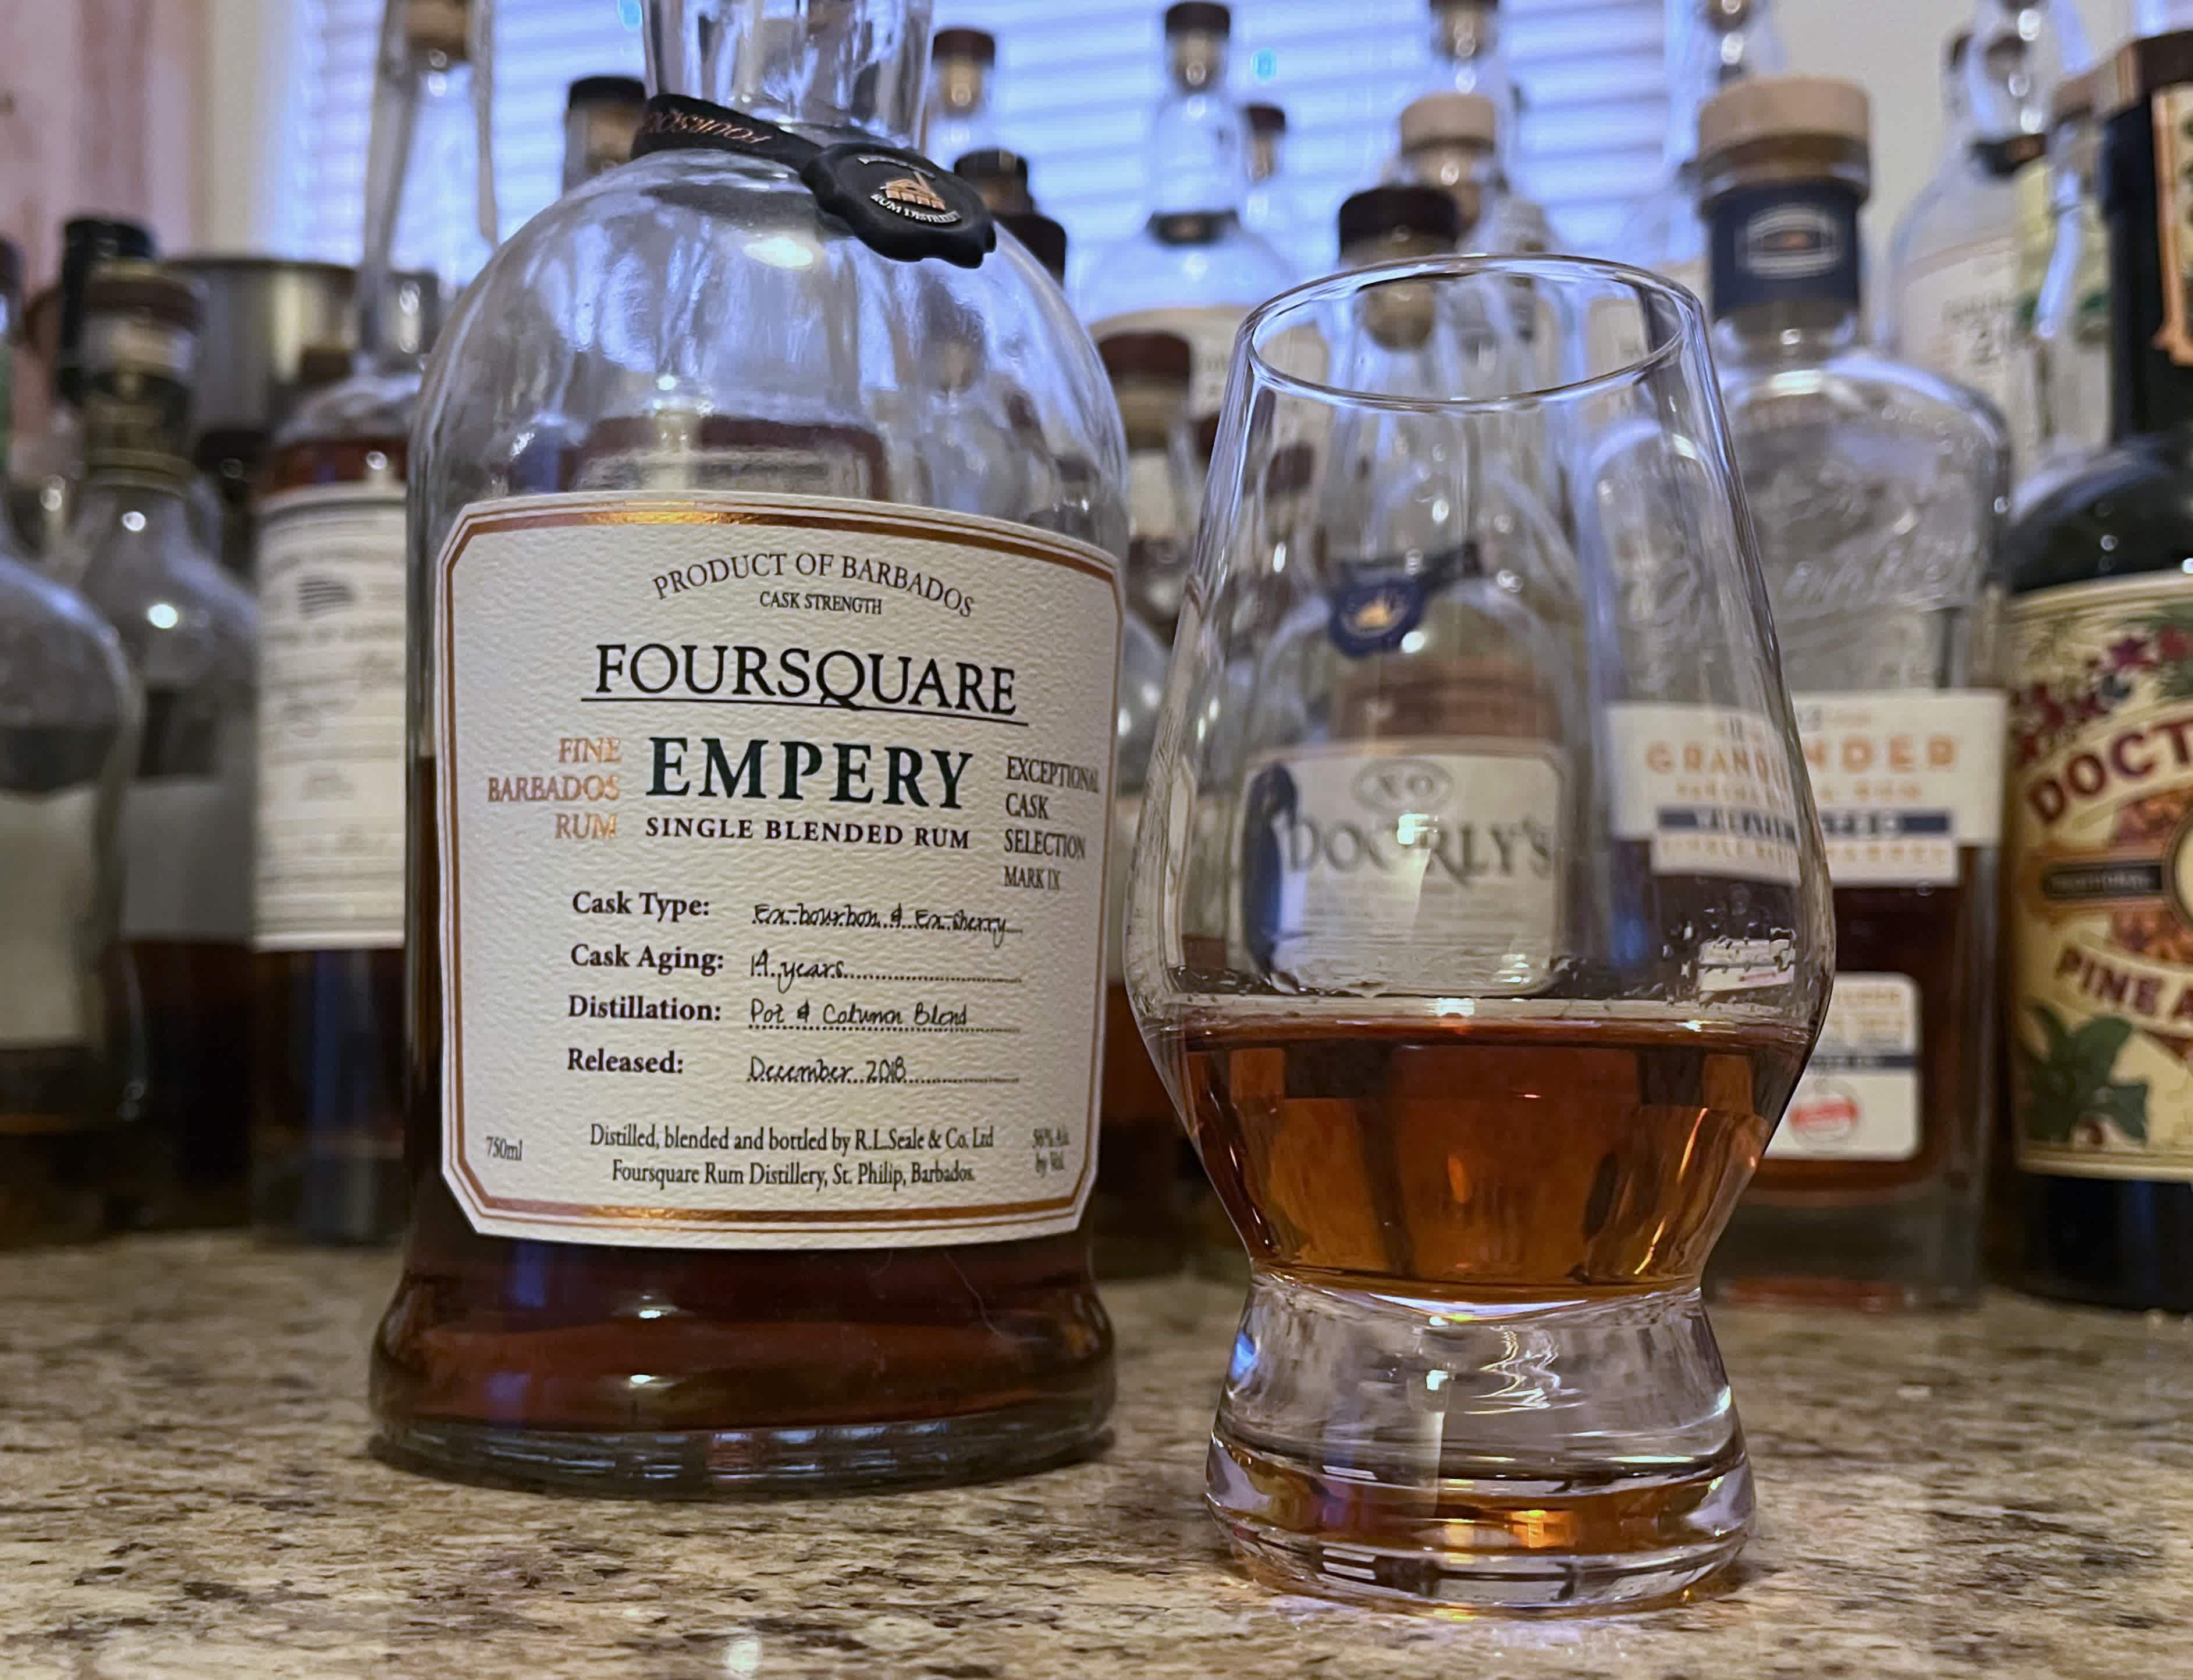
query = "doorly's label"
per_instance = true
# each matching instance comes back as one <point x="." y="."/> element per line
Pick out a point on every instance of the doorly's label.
<point x="773" y="834"/>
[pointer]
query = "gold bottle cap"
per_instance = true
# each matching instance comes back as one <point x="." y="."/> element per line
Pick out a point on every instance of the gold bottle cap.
<point x="1466" y="119"/>
<point x="2140" y="68"/>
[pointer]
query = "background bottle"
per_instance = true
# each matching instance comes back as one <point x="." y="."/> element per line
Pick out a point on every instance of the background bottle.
<point x="959" y="115"/>
<point x="68" y="721"/>
<point x="601" y="114"/>
<point x="1875" y="489"/>
<point x="135" y="553"/>
<point x="1193" y="268"/>
<point x="2099" y="962"/>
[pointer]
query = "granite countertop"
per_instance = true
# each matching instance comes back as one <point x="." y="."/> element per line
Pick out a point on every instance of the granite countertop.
<point x="184" y="1491"/>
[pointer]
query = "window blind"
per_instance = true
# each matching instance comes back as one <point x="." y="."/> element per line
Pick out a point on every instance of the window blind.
<point x="1076" y="79"/>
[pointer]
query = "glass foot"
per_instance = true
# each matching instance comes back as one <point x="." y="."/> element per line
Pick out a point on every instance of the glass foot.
<point x="1544" y="1457"/>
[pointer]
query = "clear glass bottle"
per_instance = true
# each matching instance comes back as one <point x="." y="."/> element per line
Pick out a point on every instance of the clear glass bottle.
<point x="649" y="1251"/>
<point x="1447" y="142"/>
<point x="1469" y="59"/>
<point x="190" y="631"/>
<point x="1953" y="259"/>
<point x="52" y="460"/>
<point x="1268" y="208"/>
<point x="1193" y="267"/>
<point x="2100" y="960"/>
<point x="601" y="115"/>
<point x="1150" y="374"/>
<point x="1708" y="45"/>
<point x="960" y="115"/>
<point x="1877" y="490"/>
<point x="2069" y="345"/>
<point x="68" y="722"/>
<point x="328" y="1099"/>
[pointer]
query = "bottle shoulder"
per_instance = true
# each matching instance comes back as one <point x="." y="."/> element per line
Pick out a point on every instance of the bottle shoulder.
<point x="1862" y="394"/>
<point x="369" y="404"/>
<point x="699" y="309"/>
<point x="1235" y="267"/>
<point x="2129" y="511"/>
<point x="62" y="664"/>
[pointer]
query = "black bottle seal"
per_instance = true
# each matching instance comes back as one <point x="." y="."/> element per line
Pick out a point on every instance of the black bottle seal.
<point x="896" y="202"/>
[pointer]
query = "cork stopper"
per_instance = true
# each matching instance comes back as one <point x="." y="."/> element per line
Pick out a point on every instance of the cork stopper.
<point x="442" y="26"/>
<point x="1450" y="119"/>
<point x="1784" y="128"/>
<point x="1201" y="17"/>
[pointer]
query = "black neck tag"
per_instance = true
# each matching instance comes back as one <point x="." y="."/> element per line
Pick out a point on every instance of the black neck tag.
<point x="2003" y="159"/>
<point x="895" y="202"/>
<point x="1785" y="241"/>
<point x="1375" y="610"/>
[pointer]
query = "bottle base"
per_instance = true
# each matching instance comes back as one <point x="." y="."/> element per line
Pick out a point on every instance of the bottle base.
<point x="760" y="1463"/>
<point x="1535" y="1458"/>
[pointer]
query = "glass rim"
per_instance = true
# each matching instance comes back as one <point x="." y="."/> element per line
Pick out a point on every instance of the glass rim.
<point x="1566" y="269"/>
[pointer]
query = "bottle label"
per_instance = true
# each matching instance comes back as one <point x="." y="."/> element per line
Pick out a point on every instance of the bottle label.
<point x="1428" y="866"/>
<point x="2173" y="159"/>
<point x="1209" y="329"/>
<point x="330" y="870"/>
<point x="1708" y="785"/>
<point x="47" y="890"/>
<point x="1903" y="780"/>
<point x="186" y="829"/>
<point x="1859" y="1097"/>
<point x="1792" y="240"/>
<point x="772" y="835"/>
<point x="2101" y="868"/>
<point x="1957" y="317"/>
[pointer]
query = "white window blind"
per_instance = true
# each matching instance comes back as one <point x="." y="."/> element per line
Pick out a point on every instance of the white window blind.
<point x="1075" y="80"/>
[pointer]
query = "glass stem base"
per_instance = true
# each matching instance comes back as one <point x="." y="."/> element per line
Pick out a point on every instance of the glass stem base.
<point x="1557" y="1457"/>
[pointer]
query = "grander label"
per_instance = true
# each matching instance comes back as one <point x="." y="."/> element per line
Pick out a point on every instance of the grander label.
<point x="2101" y="808"/>
<point x="1708" y="786"/>
<point x="773" y="839"/>
<point x="1903" y="780"/>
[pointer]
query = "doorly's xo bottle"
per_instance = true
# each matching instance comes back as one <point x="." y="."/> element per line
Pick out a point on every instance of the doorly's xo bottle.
<point x="762" y="777"/>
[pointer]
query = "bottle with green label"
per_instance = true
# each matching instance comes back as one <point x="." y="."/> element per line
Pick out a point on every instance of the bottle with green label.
<point x="2099" y="974"/>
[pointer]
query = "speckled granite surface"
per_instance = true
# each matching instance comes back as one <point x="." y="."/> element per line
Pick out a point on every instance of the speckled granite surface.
<point x="184" y="1492"/>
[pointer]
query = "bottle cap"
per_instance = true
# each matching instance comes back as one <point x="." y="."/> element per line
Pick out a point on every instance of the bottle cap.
<point x="322" y="364"/>
<point x="960" y="43"/>
<point x="132" y="286"/>
<point x="2074" y="99"/>
<point x="1265" y="119"/>
<point x="1805" y="111"/>
<point x="605" y="90"/>
<point x="439" y="26"/>
<point x="1452" y="5"/>
<point x="1380" y="212"/>
<point x="1166" y="356"/>
<point x="1465" y="119"/>
<point x="1192" y="16"/>
<point x="1045" y="238"/>
<point x="992" y="163"/>
<point x="2140" y="68"/>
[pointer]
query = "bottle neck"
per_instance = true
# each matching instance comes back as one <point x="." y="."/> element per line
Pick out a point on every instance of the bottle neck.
<point x="1787" y="267"/>
<point x="827" y="65"/>
<point x="428" y="206"/>
<point x="1705" y="53"/>
<point x="2150" y="355"/>
<point x="1194" y="160"/>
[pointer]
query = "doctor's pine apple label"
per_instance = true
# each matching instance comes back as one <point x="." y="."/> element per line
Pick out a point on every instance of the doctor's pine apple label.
<point x="2101" y="814"/>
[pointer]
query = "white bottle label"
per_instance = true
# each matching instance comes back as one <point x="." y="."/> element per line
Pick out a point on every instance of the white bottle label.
<point x="1708" y="785"/>
<point x="1209" y="329"/>
<point x="330" y="870"/>
<point x="1957" y="316"/>
<point x="186" y="848"/>
<point x="1407" y="866"/>
<point x="1859" y="1097"/>
<point x="1903" y="779"/>
<point x="47" y="885"/>
<point x="772" y="835"/>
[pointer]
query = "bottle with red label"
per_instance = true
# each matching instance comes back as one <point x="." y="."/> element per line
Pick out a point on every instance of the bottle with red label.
<point x="2100" y="966"/>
